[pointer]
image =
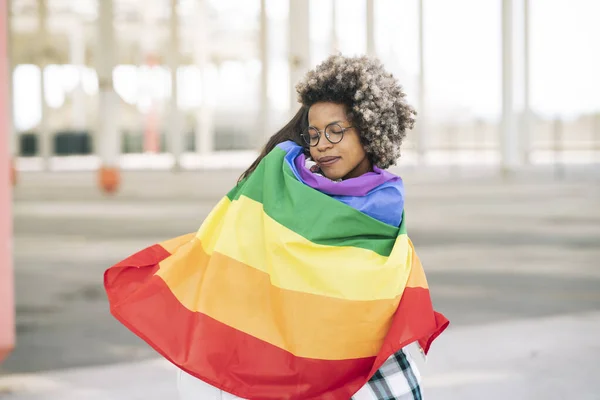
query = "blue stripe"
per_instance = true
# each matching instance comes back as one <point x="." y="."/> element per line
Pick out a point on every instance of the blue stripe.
<point x="289" y="145"/>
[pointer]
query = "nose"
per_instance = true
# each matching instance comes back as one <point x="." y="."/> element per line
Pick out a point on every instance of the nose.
<point x="324" y="144"/>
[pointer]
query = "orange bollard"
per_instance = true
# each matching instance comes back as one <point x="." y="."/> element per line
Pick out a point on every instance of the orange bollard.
<point x="13" y="173"/>
<point x="7" y="298"/>
<point x="109" y="179"/>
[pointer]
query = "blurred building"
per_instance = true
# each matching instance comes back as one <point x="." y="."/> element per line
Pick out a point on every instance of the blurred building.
<point x="500" y="81"/>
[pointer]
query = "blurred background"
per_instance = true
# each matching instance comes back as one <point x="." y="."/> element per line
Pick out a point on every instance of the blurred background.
<point x="125" y="121"/>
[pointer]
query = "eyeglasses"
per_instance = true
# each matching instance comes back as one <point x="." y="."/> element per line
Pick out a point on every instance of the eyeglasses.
<point x="333" y="132"/>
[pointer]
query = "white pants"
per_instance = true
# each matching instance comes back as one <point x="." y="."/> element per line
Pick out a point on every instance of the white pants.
<point x="192" y="388"/>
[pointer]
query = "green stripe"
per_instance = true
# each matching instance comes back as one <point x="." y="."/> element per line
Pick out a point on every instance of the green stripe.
<point x="310" y="213"/>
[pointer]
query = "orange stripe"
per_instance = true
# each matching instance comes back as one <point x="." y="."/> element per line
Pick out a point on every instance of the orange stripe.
<point x="172" y="245"/>
<point x="304" y="324"/>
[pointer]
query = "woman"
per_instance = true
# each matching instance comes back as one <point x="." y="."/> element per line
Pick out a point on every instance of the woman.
<point x="302" y="283"/>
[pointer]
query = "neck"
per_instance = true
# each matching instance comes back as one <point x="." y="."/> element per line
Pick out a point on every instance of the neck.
<point x="362" y="168"/>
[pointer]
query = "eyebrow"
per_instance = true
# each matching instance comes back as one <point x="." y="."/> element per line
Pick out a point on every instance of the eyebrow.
<point x="333" y="122"/>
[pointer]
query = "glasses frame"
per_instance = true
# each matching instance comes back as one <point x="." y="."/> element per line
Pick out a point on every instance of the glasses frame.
<point x="324" y="131"/>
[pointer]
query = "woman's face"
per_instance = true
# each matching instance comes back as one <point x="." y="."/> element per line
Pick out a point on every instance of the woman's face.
<point x="343" y="160"/>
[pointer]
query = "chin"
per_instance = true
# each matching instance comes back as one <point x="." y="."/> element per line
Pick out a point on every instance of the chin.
<point x="333" y="175"/>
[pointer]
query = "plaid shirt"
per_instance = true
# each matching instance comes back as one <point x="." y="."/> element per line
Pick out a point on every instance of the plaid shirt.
<point x="397" y="379"/>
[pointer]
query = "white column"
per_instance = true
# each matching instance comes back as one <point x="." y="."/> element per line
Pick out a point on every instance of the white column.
<point x="77" y="58"/>
<point x="148" y="54"/>
<point x="526" y="126"/>
<point x="371" y="28"/>
<point x="108" y="135"/>
<point x="204" y="132"/>
<point x="264" y="72"/>
<point x="299" y="46"/>
<point x="12" y="132"/>
<point x="44" y="137"/>
<point x="421" y="124"/>
<point x="175" y="128"/>
<point x="335" y="41"/>
<point x="509" y="133"/>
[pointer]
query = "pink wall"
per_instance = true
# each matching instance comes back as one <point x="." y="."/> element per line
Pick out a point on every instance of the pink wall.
<point x="7" y="314"/>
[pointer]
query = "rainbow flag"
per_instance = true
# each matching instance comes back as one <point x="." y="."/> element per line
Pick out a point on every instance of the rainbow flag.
<point x="283" y="293"/>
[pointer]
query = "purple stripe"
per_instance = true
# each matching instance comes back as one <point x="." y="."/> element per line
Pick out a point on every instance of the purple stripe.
<point x="359" y="186"/>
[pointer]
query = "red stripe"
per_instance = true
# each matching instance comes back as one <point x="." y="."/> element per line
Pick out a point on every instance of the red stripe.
<point x="235" y="361"/>
<point x="137" y="269"/>
<point x="414" y="320"/>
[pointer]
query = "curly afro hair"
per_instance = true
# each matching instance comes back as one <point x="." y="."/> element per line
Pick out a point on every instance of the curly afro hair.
<point x="374" y="100"/>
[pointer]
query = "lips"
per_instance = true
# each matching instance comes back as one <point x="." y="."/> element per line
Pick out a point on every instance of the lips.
<point x="326" y="161"/>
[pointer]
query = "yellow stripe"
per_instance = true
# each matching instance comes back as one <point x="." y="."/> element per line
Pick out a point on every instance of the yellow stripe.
<point x="242" y="231"/>
<point x="212" y="227"/>
<point x="417" y="274"/>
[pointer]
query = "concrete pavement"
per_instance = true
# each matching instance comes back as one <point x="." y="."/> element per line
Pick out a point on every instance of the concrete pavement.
<point x="553" y="358"/>
<point x="513" y="264"/>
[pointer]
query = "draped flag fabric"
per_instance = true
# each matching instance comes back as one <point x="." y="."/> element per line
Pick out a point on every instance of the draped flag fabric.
<point x="285" y="292"/>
